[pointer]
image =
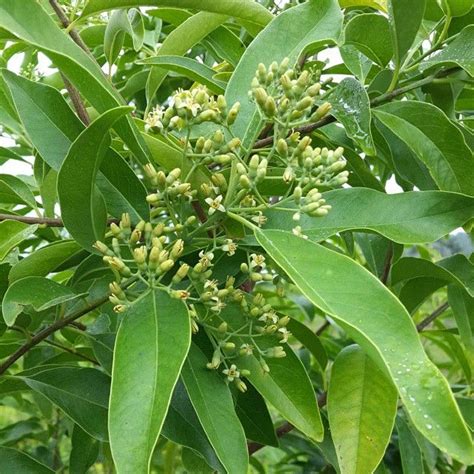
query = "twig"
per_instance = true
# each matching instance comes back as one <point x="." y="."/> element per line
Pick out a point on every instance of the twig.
<point x="285" y="428"/>
<point x="429" y="319"/>
<point x="71" y="351"/>
<point x="387" y="265"/>
<point x="47" y="221"/>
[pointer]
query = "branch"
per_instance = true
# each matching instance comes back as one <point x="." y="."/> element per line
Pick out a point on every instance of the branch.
<point x="47" y="221"/>
<point x="285" y="428"/>
<point x="387" y="265"/>
<point x="429" y="319"/>
<point x="382" y="99"/>
<point x="56" y="326"/>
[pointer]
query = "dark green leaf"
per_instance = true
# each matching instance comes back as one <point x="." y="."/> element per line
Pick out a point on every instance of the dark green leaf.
<point x="84" y="451"/>
<point x="12" y="233"/>
<point x="13" y="461"/>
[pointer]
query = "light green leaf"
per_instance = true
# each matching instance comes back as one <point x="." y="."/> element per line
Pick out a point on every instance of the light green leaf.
<point x="376" y="320"/>
<point x="38" y="292"/>
<point x="459" y="52"/>
<point x="32" y="24"/>
<point x="362" y="404"/>
<point x="370" y="34"/>
<point x="212" y="400"/>
<point x="247" y="10"/>
<point x="82" y="207"/>
<point x="14" y="461"/>
<point x="84" y="451"/>
<point x="462" y="305"/>
<point x="406" y="218"/>
<point x="156" y="330"/>
<point x="410" y="451"/>
<point x="459" y="7"/>
<point x="435" y="140"/>
<point x="12" y="233"/>
<point x="351" y="107"/>
<point x="13" y="187"/>
<point x="405" y="17"/>
<point x="82" y="394"/>
<point x="117" y="26"/>
<point x="190" y="68"/>
<point x="378" y="4"/>
<point x="312" y="23"/>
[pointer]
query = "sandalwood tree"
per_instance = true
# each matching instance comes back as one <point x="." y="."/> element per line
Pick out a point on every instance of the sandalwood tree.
<point x="227" y="236"/>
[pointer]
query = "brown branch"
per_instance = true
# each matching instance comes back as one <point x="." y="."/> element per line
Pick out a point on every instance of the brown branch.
<point x="47" y="221"/>
<point x="285" y="428"/>
<point x="430" y="318"/>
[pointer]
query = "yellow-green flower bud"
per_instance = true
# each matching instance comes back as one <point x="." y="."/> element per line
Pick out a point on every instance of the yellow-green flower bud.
<point x="282" y="147"/>
<point x="102" y="248"/>
<point x="322" y="111"/>
<point x="233" y="112"/>
<point x="228" y="346"/>
<point x="166" y="265"/>
<point x="240" y="385"/>
<point x="244" y="268"/>
<point x="222" y="328"/>
<point x="260" y="96"/>
<point x="313" y="90"/>
<point x="304" y="103"/>
<point x="221" y="104"/>
<point x="270" y="106"/>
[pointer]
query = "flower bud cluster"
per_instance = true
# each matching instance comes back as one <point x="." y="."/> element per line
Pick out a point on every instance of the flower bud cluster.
<point x="215" y="149"/>
<point x="286" y="96"/>
<point x="191" y="107"/>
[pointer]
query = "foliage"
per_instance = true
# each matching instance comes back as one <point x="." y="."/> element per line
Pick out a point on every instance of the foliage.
<point x="204" y="268"/>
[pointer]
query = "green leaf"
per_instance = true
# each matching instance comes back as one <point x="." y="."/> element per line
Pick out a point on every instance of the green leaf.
<point x="406" y="218"/>
<point x="255" y="418"/>
<point x="410" y="451"/>
<point x="247" y="10"/>
<point x="212" y="400"/>
<point x="351" y="106"/>
<point x="288" y="389"/>
<point x="370" y="34"/>
<point x="52" y="127"/>
<point x="32" y="24"/>
<point x="437" y="142"/>
<point x="84" y="451"/>
<point x="459" y="52"/>
<point x="13" y="187"/>
<point x="156" y="330"/>
<point x="312" y="23"/>
<point x="405" y="17"/>
<point x="378" y="4"/>
<point x="376" y="320"/>
<point x="362" y="405"/>
<point x="459" y="7"/>
<point x="12" y="233"/>
<point x="190" y="68"/>
<point x="47" y="259"/>
<point x="14" y="461"/>
<point x="82" y="207"/>
<point x="38" y="292"/>
<point x="182" y="426"/>
<point x="82" y="393"/>
<point x="463" y="309"/>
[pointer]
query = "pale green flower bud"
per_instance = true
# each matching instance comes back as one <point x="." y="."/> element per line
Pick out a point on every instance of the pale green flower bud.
<point x="166" y="265"/>
<point x="233" y="112"/>
<point x="282" y="147"/>
<point x="304" y="103"/>
<point x="221" y="104"/>
<point x="260" y="96"/>
<point x="313" y="90"/>
<point x="270" y="106"/>
<point x="102" y="248"/>
<point x="322" y="111"/>
<point x="177" y="249"/>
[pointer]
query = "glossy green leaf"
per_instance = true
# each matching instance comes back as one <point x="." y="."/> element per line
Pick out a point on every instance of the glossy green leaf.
<point x="435" y="140"/>
<point x="156" y="330"/>
<point x="459" y="52"/>
<point x="12" y="233"/>
<point x="410" y="451"/>
<point x="14" y="461"/>
<point x="212" y="400"/>
<point x="32" y="24"/>
<point x="312" y="23"/>
<point x="247" y="10"/>
<point x="462" y="305"/>
<point x="351" y="107"/>
<point x="45" y="260"/>
<point x="406" y="218"/>
<point x="84" y="451"/>
<point x="287" y="388"/>
<point x="190" y="68"/>
<point x="183" y="426"/>
<point x="405" y="17"/>
<point x="38" y="292"/>
<point x="82" y="207"/>
<point x="82" y="393"/>
<point x="52" y="127"/>
<point x="362" y="404"/>
<point x="376" y="320"/>
<point x="370" y="34"/>
<point x="13" y="187"/>
<point x="255" y="418"/>
<point x="459" y="7"/>
<point x="117" y="27"/>
<point x="378" y="4"/>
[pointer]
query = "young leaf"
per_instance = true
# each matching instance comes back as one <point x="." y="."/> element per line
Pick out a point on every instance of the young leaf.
<point x="12" y="460"/>
<point x="406" y="218"/>
<point x="312" y="23"/>
<point x="362" y="404"/>
<point x="151" y="346"/>
<point x="38" y="292"/>
<point x="351" y="106"/>
<point x="82" y="207"/>
<point x="375" y="319"/>
<point x="12" y="233"/>
<point x="82" y="394"/>
<point x="437" y="142"/>
<point x="212" y="400"/>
